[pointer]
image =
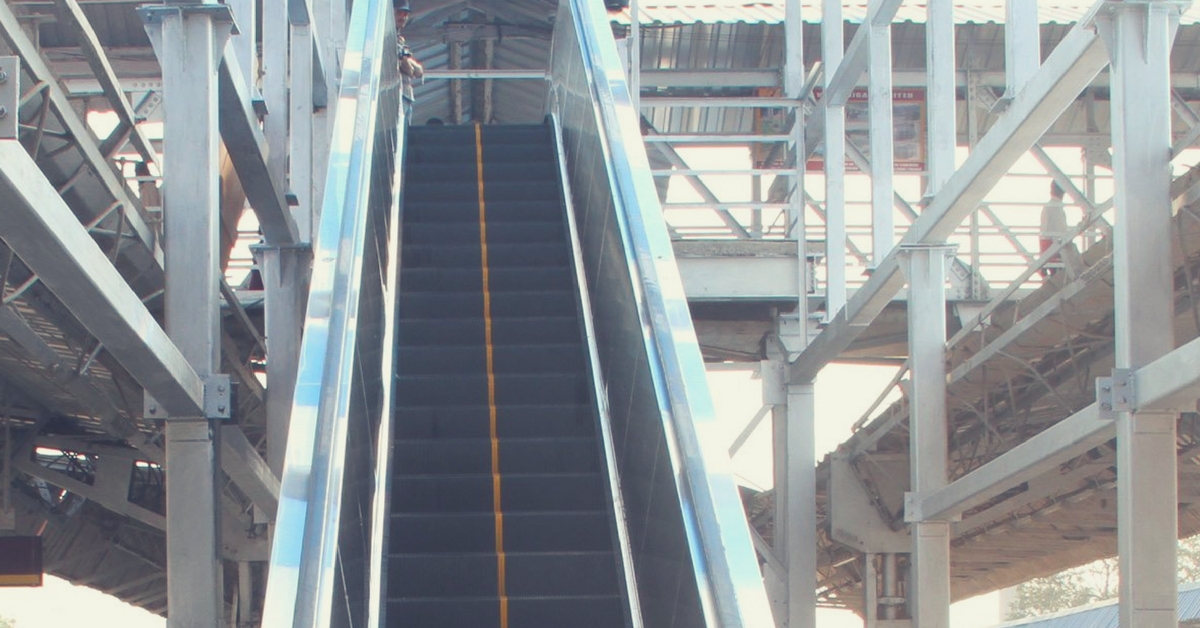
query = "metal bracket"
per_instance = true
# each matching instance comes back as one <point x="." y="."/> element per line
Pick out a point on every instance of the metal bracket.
<point x="218" y="400"/>
<point x="1116" y="393"/>
<point x="10" y="96"/>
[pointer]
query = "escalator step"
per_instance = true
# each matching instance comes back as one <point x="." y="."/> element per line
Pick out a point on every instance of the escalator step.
<point x="473" y="455"/>
<point x="430" y="233"/>
<point x="548" y="612"/>
<point x="471" y="389"/>
<point x="562" y="358"/>
<point x="475" y="575"/>
<point x="498" y="189"/>
<point x="420" y="153"/>
<point x="518" y="492"/>
<point x="543" y="171"/>
<point x="461" y="389"/>
<point x="509" y="279"/>
<point x="499" y="255"/>
<point x="441" y="211"/>
<point x="415" y="332"/>
<point x="452" y="422"/>
<point x="523" y="532"/>
<point x="471" y="304"/>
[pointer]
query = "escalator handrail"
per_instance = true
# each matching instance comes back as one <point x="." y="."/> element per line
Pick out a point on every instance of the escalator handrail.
<point x="304" y="551"/>
<point x="726" y="566"/>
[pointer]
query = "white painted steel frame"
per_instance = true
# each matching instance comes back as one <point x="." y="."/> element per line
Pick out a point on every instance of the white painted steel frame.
<point x="1072" y="65"/>
<point x="1138" y="36"/>
<point x="834" y="118"/>
<point x="42" y="231"/>
<point x="925" y="268"/>
<point x="190" y="42"/>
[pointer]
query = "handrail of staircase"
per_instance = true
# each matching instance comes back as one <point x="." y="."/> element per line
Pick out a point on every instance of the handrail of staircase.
<point x="325" y="555"/>
<point x="671" y="465"/>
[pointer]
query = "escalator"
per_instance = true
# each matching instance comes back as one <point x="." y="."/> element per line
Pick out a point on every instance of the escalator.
<point x="501" y="409"/>
<point x="500" y="513"/>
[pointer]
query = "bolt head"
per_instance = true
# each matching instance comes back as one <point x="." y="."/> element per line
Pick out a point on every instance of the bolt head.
<point x="1106" y="405"/>
<point x="152" y="409"/>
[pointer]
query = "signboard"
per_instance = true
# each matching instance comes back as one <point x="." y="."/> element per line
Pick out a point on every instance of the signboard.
<point x="908" y="130"/>
<point x="20" y="561"/>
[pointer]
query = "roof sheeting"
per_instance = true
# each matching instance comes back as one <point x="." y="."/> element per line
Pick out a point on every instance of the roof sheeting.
<point x="1104" y="614"/>
<point x="735" y="11"/>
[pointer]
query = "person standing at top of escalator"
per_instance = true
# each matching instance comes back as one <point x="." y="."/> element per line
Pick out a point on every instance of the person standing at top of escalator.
<point x="410" y="68"/>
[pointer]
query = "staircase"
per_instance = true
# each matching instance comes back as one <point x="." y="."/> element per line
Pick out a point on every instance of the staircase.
<point x="500" y="515"/>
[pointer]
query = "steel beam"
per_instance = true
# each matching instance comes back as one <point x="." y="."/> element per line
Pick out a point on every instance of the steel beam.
<point x="1072" y="65"/>
<point x="31" y="57"/>
<point x="879" y="96"/>
<point x="1138" y="38"/>
<point x="40" y="228"/>
<point x="90" y="46"/>
<point x="248" y="150"/>
<point x="834" y="118"/>
<point x="1057" y="444"/>
<point x="940" y="94"/>
<point x="102" y="494"/>
<point x="241" y="462"/>
<point x="848" y="67"/>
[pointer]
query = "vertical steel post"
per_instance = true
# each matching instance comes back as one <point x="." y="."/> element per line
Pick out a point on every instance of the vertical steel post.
<point x="793" y="84"/>
<point x="879" y="96"/>
<point x="925" y="267"/>
<point x="284" y="271"/>
<point x="635" y="57"/>
<point x="1022" y="44"/>
<point x="870" y="581"/>
<point x="191" y="39"/>
<point x="276" y="33"/>
<point x="1138" y="37"/>
<point x="300" y="123"/>
<point x="245" y="43"/>
<point x="940" y="97"/>
<point x="832" y="50"/>
<point x="800" y="507"/>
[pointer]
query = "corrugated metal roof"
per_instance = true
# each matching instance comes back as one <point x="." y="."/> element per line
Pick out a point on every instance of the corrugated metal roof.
<point x="1104" y="614"/>
<point x="735" y="11"/>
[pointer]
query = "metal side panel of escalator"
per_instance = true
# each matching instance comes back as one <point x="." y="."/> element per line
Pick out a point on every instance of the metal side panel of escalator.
<point x="500" y="511"/>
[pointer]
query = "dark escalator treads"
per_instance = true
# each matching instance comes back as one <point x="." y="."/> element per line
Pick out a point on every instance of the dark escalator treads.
<point x="560" y="564"/>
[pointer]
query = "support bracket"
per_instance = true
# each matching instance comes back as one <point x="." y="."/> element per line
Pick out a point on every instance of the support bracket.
<point x="10" y="95"/>
<point x="218" y="400"/>
<point x="1116" y="393"/>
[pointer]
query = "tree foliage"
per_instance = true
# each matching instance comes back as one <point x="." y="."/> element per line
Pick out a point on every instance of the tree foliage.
<point x="1089" y="583"/>
<point x="7" y="623"/>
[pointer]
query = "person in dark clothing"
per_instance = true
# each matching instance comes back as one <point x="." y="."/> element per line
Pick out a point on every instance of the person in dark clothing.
<point x="410" y="68"/>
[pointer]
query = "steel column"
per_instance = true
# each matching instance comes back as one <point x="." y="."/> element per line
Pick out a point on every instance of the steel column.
<point x="794" y="437"/>
<point x="925" y="267"/>
<point x="832" y="39"/>
<point x="879" y="96"/>
<point x="940" y="93"/>
<point x="300" y="122"/>
<point x="190" y="48"/>
<point x="275" y="36"/>
<point x="793" y="85"/>
<point x="1022" y="44"/>
<point x="284" y="273"/>
<point x="1138" y="37"/>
